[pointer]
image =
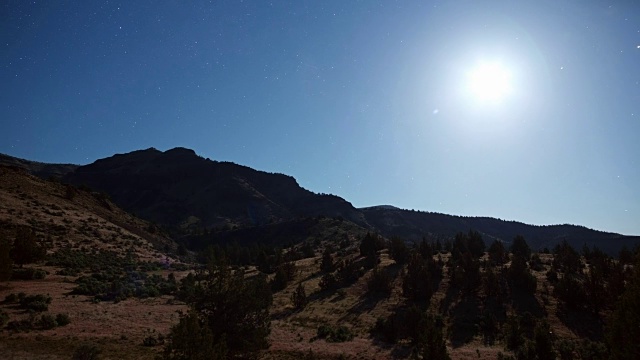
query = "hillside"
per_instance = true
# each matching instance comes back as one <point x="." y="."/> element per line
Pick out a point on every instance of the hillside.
<point x="39" y="169"/>
<point x="83" y="233"/>
<point x="187" y="194"/>
<point x="413" y="225"/>
<point x="66" y="216"/>
<point x="179" y="188"/>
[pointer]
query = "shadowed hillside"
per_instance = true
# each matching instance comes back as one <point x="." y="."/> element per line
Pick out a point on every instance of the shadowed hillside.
<point x="189" y="194"/>
<point x="177" y="187"/>
<point x="413" y="225"/>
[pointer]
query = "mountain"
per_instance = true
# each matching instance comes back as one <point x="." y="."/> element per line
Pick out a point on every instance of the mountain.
<point x="413" y="225"/>
<point x="179" y="188"/>
<point x="42" y="170"/>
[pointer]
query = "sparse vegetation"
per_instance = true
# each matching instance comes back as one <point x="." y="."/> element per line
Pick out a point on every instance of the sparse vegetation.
<point x="86" y="352"/>
<point x="299" y="297"/>
<point x="334" y="334"/>
<point x="228" y="312"/>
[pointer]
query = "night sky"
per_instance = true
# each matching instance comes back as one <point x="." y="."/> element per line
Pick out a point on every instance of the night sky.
<point x="520" y="110"/>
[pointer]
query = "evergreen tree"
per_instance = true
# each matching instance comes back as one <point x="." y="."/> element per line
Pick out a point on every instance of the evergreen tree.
<point x="417" y="282"/>
<point x="232" y="313"/>
<point x="327" y="264"/>
<point x="192" y="339"/>
<point x="497" y="253"/>
<point x="623" y="332"/>
<point x="379" y="282"/>
<point x="430" y="343"/>
<point x="299" y="297"/>
<point x="566" y="258"/>
<point x="367" y="245"/>
<point x="6" y="264"/>
<point x="26" y="249"/>
<point x="519" y="247"/>
<point x="398" y="250"/>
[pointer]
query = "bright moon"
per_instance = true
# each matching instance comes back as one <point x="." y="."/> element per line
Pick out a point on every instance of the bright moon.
<point x="489" y="82"/>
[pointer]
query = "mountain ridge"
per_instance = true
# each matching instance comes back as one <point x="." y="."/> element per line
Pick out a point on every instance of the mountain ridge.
<point x="181" y="189"/>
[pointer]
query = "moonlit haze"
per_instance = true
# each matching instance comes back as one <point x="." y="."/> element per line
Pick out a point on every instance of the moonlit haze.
<point x="524" y="111"/>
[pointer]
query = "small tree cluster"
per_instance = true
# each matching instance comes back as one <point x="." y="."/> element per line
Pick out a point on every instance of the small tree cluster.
<point x="299" y="297"/>
<point x="284" y="274"/>
<point x="379" y="282"/>
<point x="6" y="263"/>
<point x="398" y="250"/>
<point x="229" y="317"/>
<point x="471" y="243"/>
<point x="26" y="248"/>
<point x="422" y="277"/>
<point x="327" y="265"/>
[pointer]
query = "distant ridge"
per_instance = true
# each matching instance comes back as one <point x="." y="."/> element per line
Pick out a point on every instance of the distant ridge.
<point x="42" y="170"/>
<point x="413" y="225"/>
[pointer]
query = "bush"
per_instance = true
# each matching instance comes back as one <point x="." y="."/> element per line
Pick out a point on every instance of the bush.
<point x="299" y="297"/>
<point x="150" y="341"/>
<point x="28" y="274"/>
<point x="63" y="319"/>
<point x="339" y="334"/>
<point x="229" y="311"/>
<point x="86" y="352"/>
<point x="519" y="247"/>
<point x="192" y="338"/>
<point x="37" y="303"/>
<point x="327" y="265"/>
<point x="328" y="282"/>
<point x="398" y="250"/>
<point x="4" y="317"/>
<point x="6" y="263"/>
<point x="379" y="282"/>
<point x="20" y="325"/>
<point x="47" y="322"/>
<point x="11" y="298"/>
<point x="26" y="248"/>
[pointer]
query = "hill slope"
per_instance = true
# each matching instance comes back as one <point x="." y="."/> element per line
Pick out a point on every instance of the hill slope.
<point x="413" y="225"/>
<point x="177" y="187"/>
<point x="183" y="190"/>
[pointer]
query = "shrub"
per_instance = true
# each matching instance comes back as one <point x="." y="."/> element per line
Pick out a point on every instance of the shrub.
<point x="38" y="303"/>
<point x="28" y="274"/>
<point x="63" y="319"/>
<point x="4" y="317"/>
<point x="86" y="352"/>
<point x="6" y="263"/>
<point x="192" y="338"/>
<point x="150" y="341"/>
<point x="379" y="282"/>
<point x="497" y="253"/>
<point x="328" y="282"/>
<point x="47" y="321"/>
<point x="299" y="297"/>
<point x="26" y="248"/>
<point x="20" y="325"/>
<point x="11" y="298"/>
<point x="519" y="247"/>
<point x="327" y="264"/>
<point x="229" y="310"/>
<point x="570" y="291"/>
<point x="398" y="250"/>
<point x="339" y="334"/>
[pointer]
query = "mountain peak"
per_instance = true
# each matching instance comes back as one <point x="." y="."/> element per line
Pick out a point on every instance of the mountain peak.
<point x="181" y="151"/>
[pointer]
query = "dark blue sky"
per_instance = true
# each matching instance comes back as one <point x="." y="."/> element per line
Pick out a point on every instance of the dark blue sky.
<point x="368" y="100"/>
